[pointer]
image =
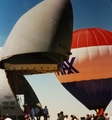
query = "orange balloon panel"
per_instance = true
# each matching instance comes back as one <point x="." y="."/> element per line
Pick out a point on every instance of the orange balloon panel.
<point x="88" y="73"/>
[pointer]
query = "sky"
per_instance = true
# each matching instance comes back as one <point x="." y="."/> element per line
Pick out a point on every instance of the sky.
<point x="87" y="13"/>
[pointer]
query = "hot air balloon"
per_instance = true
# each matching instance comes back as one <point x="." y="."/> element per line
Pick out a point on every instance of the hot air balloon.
<point x="88" y="73"/>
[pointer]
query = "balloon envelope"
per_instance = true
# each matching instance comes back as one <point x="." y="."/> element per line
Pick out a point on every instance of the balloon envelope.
<point x="88" y="73"/>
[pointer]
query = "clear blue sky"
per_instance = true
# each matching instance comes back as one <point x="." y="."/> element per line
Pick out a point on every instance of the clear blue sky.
<point x="87" y="13"/>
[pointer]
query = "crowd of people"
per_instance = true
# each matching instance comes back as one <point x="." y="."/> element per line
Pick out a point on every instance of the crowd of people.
<point x="99" y="116"/>
<point x="35" y="111"/>
<point x="61" y="116"/>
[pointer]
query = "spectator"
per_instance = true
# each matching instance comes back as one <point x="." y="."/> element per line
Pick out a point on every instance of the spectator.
<point x="37" y="111"/>
<point x="32" y="113"/>
<point x="45" y="113"/>
<point x="27" y="110"/>
<point x="58" y="116"/>
<point x="101" y="116"/>
<point x="66" y="117"/>
<point x="74" y="117"/>
<point x="7" y="117"/>
<point x="62" y="115"/>
<point x="88" y="117"/>
<point x="106" y="116"/>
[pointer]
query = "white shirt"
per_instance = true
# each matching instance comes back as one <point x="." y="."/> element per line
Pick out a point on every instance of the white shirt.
<point x="8" y="119"/>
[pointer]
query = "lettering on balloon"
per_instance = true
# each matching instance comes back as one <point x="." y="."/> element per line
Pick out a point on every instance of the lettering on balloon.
<point x="68" y="68"/>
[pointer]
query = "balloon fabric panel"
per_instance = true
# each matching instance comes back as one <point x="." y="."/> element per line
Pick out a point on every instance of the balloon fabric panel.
<point x="93" y="94"/>
<point x="91" y="37"/>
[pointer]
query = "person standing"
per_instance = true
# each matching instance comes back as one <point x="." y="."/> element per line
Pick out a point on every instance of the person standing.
<point x="37" y="111"/>
<point x="62" y="116"/>
<point x="27" y="110"/>
<point x="106" y="116"/>
<point x="7" y="117"/>
<point x="58" y="116"/>
<point x="45" y="113"/>
<point x="32" y="113"/>
<point x="66" y="117"/>
<point x="88" y="117"/>
<point x="101" y="117"/>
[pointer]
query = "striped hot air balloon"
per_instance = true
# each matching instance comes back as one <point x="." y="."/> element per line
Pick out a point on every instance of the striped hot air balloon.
<point x="88" y="73"/>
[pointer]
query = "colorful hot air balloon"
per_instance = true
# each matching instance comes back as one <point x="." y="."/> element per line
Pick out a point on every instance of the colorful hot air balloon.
<point x="88" y="73"/>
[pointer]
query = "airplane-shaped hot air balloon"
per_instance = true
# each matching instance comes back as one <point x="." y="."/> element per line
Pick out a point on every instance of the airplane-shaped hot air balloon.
<point x="88" y="73"/>
<point x="38" y="43"/>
